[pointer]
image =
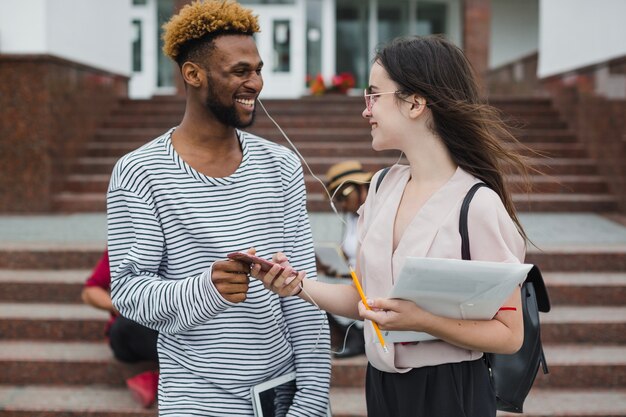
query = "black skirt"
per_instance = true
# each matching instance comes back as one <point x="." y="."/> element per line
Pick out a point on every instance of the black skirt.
<point x="449" y="390"/>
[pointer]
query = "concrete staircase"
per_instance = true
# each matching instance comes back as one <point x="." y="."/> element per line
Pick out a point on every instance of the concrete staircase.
<point x="330" y="129"/>
<point x="55" y="364"/>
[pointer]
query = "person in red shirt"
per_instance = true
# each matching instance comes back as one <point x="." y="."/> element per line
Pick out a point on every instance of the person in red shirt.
<point x="129" y="341"/>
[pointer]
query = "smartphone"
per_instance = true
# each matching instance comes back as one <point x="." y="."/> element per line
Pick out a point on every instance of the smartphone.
<point x="252" y="259"/>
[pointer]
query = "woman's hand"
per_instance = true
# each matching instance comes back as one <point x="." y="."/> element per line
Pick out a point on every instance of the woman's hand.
<point x="395" y="314"/>
<point x="281" y="279"/>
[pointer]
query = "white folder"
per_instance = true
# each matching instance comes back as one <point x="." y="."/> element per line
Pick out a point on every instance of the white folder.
<point x="469" y="290"/>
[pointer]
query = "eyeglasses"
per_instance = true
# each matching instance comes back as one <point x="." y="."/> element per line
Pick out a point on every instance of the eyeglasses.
<point x="370" y="99"/>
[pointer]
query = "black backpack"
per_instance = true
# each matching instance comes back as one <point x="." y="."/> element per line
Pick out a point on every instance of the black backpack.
<point x="513" y="375"/>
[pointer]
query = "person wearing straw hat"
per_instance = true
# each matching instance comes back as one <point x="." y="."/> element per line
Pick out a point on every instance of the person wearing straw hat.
<point x="348" y="183"/>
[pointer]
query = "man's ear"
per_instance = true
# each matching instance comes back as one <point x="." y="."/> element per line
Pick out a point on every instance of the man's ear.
<point x="192" y="74"/>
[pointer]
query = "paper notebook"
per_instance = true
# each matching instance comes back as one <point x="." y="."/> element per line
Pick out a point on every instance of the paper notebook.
<point x="454" y="288"/>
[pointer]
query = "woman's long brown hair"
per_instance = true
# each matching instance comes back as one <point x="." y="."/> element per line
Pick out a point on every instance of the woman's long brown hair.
<point x="474" y="132"/>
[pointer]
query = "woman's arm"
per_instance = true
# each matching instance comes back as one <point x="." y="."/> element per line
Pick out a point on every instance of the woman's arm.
<point x="502" y="334"/>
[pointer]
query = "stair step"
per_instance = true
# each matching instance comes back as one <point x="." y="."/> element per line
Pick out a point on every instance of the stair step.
<point x="51" y="322"/>
<point x="67" y="363"/>
<point x="584" y="324"/>
<point x="46" y="256"/>
<point x="572" y="202"/>
<point x="320" y="164"/>
<point x="573" y="403"/>
<point x="363" y="134"/>
<point x="34" y="362"/>
<point x="562" y="184"/>
<point x="103" y="401"/>
<point x="91" y="183"/>
<point x="146" y="132"/>
<point x="120" y="143"/>
<point x="44" y="320"/>
<point x="67" y="202"/>
<point x="563" y="258"/>
<point x="547" y="202"/>
<point x="70" y="401"/>
<point x="52" y="286"/>
<point x="600" y="288"/>
<point x="306" y="119"/>
<point x="33" y="285"/>
<point x="571" y="366"/>
<point x="583" y="366"/>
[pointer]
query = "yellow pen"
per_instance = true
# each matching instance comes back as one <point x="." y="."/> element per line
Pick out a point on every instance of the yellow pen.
<point x="360" y="290"/>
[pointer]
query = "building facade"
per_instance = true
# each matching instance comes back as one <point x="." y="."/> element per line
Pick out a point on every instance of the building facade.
<point x="300" y="39"/>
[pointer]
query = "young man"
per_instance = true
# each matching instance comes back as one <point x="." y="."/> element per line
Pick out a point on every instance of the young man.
<point x="179" y="204"/>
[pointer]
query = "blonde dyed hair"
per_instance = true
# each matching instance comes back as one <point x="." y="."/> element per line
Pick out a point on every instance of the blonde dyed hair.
<point x="204" y="18"/>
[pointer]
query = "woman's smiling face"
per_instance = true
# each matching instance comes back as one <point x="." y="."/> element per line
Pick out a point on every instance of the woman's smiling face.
<point x="388" y="118"/>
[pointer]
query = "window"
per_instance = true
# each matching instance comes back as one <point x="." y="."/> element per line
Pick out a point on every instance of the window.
<point x="136" y="48"/>
<point x="282" y="42"/>
<point x="431" y="18"/>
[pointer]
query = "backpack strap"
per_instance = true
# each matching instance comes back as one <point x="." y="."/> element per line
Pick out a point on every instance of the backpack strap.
<point x="535" y="279"/>
<point x="465" y="245"/>
<point x="380" y="177"/>
<point x="534" y="275"/>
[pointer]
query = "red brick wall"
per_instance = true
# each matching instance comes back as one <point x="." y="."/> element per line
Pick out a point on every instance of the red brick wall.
<point x="476" y="36"/>
<point x="49" y="109"/>
<point x="516" y="78"/>
<point x="599" y="122"/>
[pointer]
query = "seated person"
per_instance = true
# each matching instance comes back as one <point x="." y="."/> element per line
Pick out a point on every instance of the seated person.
<point x="349" y="184"/>
<point x="129" y="341"/>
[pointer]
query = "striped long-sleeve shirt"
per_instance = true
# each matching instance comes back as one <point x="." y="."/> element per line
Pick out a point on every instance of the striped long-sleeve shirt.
<point x="167" y="224"/>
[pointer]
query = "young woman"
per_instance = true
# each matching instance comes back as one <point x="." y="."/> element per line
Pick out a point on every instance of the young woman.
<point x="423" y="100"/>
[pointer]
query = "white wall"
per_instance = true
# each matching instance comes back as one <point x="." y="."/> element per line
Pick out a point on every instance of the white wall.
<point x="94" y="32"/>
<point x="91" y="32"/>
<point x="23" y="26"/>
<point x="577" y="33"/>
<point x="514" y="30"/>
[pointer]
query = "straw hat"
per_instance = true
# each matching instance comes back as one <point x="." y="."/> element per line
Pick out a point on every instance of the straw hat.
<point x="346" y="171"/>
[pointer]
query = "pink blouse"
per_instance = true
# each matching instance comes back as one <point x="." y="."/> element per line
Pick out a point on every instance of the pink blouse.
<point x="433" y="232"/>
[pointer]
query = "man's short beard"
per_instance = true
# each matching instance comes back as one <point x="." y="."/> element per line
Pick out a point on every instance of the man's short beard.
<point x="227" y="114"/>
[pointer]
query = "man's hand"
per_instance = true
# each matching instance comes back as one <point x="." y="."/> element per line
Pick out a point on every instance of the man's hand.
<point x="231" y="279"/>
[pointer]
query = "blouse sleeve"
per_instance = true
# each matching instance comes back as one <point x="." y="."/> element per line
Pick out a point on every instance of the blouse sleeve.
<point x="493" y="234"/>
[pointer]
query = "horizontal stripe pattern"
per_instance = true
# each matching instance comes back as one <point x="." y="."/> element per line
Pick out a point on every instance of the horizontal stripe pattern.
<point x="167" y="224"/>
